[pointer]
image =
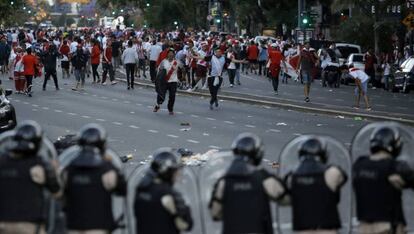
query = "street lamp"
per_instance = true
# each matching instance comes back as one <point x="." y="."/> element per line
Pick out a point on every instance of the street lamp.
<point x="113" y="13"/>
<point x="148" y="5"/>
<point x="122" y="10"/>
<point x="175" y="23"/>
<point x="11" y="3"/>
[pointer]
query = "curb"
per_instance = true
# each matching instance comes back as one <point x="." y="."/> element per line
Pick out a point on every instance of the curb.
<point x="287" y="105"/>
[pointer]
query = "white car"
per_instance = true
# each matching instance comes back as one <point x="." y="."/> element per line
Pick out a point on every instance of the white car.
<point x="343" y="50"/>
<point x="357" y="60"/>
<point x="258" y="39"/>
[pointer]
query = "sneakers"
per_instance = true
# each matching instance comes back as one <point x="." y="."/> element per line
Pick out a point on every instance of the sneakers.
<point x="307" y="99"/>
<point x="276" y="93"/>
<point x="156" y="108"/>
<point x="44" y="89"/>
<point x="57" y="89"/>
<point x="171" y="113"/>
<point x="211" y="107"/>
<point x="104" y="83"/>
<point x="128" y="88"/>
<point x="368" y="108"/>
<point x="114" y="83"/>
<point x="231" y="85"/>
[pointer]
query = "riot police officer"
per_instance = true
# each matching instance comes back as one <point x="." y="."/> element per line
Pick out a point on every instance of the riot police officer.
<point x="90" y="180"/>
<point x="378" y="181"/>
<point x="24" y="174"/>
<point x="241" y="197"/>
<point x="314" y="189"/>
<point x="158" y="207"/>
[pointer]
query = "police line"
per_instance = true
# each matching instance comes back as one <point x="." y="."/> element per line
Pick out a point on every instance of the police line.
<point x="84" y="190"/>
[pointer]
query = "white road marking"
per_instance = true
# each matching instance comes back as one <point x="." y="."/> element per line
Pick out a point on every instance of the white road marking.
<point x="94" y="95"/>
<point x="172" y="136"/>
<point x="138" y="104"/>
<point x="297" y="134"/>
<point x="127" y="102"/>
<point x="117" y="123"/>
<point x="70" y="113"/>
<point x="150" y="107"/>
<point x="195" y="116"/>
<point x="211" y="119"/>
<point x="250" y="126"/>
<point x="101" y="120"/>
<point x="133" y="126"/>
<point x="34" y="109"/>
<point x="26" y="103"/>
<point x="132" y="112"/>
<point x="114" y="99"/>
<point x="16" y="100"/>
<point x="193" y="141"/>
<point x="274" y="130"/>
<point x="104" y="97"/>
<point x="58" y="111"/>
<point x="179" y="112"/>
<point x="214" y="147"/>
<point x="402" y="108"/>
<point x="380" y="105"/>
<point x="152" y="131"/>
<point x="45" y="108"/>
<point x="34" y="105"/>
<point x="229" y="122"/>
<point x="85" y="117"/>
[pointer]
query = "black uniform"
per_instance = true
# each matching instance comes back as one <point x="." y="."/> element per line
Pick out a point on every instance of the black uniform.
<point x="377" y="199"/>
<point x="314" y="203"/>
<point x="149" y="210"/>
<point x="49" y="61"/>
<point x="22" y="199"/>
<point x="88" y="204"/>
<point x="246" y="207"/>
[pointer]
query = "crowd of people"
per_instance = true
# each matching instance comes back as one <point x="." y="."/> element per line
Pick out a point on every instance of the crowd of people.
<point x="84" y="177"/>
<point x="198" y="61"/>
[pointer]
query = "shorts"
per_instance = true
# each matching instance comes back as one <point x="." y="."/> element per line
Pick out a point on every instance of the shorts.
<point x="364" y="87"/>
<point x="306" y="77"/>
<point x="201" y="71"/>
<point x="64" y="64"/>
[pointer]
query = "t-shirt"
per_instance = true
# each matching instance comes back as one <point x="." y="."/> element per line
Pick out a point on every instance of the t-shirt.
<point x="358" y="74"/>
<point x="252" y="52"/>
<point x="165" y="64"/>
<point x="29" y="62"/>
<point x="155" y="52"/>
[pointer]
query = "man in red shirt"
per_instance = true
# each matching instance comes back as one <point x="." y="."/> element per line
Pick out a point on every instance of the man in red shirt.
<point x="276" y="59"/>
<point x="64" y="50"/>
<point x="29" y="62"/>
<point x="107" y="64"/>
<point x="252" y="54"/>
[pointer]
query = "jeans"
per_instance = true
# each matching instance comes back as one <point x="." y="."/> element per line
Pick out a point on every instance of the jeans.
<point x="130" y="68"/>
<point x="232" y="75"/>
<point x="116" y="61"/>
<point x="238" y="75"/>
<point x="95" y="73"/>
<point x="275" y="82"/>
<point x="386" y="82"/>
<point x="49" y="73"/>
<point x="214" y="89"/>
<point x="153" y="71"/>
<point x="108" y="68"/>
<point x="171" y="87"/>
<point x="262" y="66"/>
<point x="29" y="80"/>
<point x="141" y="66"/>
<point x="80" y="75"/>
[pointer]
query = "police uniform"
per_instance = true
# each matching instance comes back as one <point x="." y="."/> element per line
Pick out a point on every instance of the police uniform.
<point x="241" y="199"/>
<point x="378" y="183"/>
<point x="314" y="192"/>
<point x="89" y="182"/>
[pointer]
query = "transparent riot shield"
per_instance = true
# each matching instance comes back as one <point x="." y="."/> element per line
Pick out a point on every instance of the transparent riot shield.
<point x="361" y="147"/>
<point x="186" y="185"/>
<point x="337" y="155"/>
<point x="118" y="203"/>
<point x="48" y="153"/>
<point x="210" y="172"/>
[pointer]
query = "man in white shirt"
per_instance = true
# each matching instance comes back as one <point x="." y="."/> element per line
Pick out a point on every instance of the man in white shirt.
<point x="168" y="81"/>
<point x="154" y="53"/>
<point x="130" y="59"/>
<point x="215" y="78"/>
<point x="361" y="81"/>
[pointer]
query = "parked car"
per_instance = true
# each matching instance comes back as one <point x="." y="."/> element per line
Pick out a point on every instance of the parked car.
<point x="258" y="39"/>
<point x="343" y="50"/>
<point x="403" y="78"/>
<point x="7" y="113"/>
<point x="357" y="60"/>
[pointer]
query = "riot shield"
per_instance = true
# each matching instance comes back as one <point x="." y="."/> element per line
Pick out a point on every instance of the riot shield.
<point x="210" y="172"/>
<point x="48" y="152"/>
<point x="337" y="155"/>
<point x="118" y="203"/>
<point x="186" y="185"/>
<point x="361" y="147"/>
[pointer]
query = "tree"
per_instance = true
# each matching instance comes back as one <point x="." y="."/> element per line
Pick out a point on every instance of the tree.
<point x="9" y="9"/>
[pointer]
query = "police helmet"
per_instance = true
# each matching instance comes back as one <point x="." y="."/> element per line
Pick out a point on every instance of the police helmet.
<point x="249" y="145"/>
<point x="92" y="135"/>
<point x="165" y="164"/>
<point x="315" y="148"/>
<point x="386" y="139"/>
<point x="28" y="138"/>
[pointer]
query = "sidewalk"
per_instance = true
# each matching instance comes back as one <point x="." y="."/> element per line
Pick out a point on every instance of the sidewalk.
<point x="258" y="90"/>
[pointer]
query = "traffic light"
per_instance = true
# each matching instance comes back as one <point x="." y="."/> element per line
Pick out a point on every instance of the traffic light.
<point x="306" y="19"/>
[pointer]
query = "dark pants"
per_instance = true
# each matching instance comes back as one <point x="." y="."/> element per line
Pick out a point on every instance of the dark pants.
<point x="153" y="70"/>
<point x="232" y="75"/>
<point x="95" y="73"/>
<point x="275" y="83"/>
<point x="130" y="69"/>
<point x="49" y="73"/>
<point x="262" y="67"/>
<point x="172" y="89"/>
<point x="213" y="89"/>
<point x="29" y="80"/>
<point x="108" y="68"/>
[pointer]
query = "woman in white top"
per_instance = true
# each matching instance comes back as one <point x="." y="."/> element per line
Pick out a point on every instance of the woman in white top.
<point x="167" y="81"/>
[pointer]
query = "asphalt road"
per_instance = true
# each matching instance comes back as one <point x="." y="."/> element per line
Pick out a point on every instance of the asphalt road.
<point x="134" y="129"/>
